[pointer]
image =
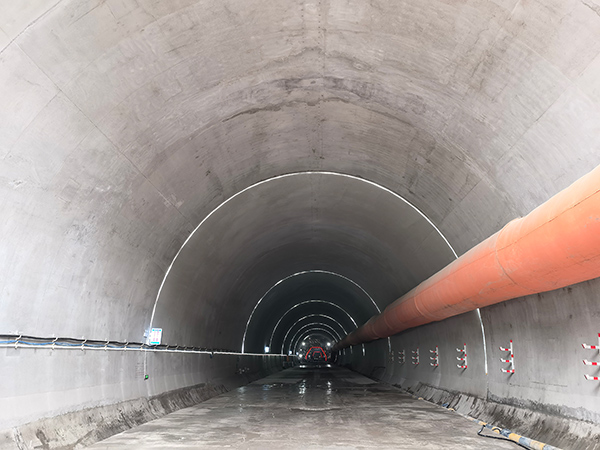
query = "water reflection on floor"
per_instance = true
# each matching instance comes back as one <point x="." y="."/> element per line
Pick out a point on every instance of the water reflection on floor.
<point x="309" y="407"/>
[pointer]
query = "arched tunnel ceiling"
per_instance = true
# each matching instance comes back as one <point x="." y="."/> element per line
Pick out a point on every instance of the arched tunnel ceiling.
<point x="314" y="331"/>
<point x="314" y="338"/>
<point x="125" y="123"/>
<point x="296" y="223"/>
<point x="299" y="295"/>
<point x="306" y="325"/>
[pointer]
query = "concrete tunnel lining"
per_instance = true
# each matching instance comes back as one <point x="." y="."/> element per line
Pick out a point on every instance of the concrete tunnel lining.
<point x="248" y="241"/>
<point x="301" y="289"/>
<point x="306" y="291"/>
<point x="298" y="338"/>
<point x="314" y="319"/>
<point x="385" y="179"/>
<point x="124" y="124"/>
<point x="314" y="333"/>
<point x="305" y="303"/>
<point x="307" y="309"/>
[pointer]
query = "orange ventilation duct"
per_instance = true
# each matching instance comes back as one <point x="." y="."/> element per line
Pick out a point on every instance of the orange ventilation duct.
<point x="556" y="245"/>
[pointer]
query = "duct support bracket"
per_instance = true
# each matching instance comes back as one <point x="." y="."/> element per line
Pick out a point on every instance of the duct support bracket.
<point x="462" y="357"/>
<point x="415" y="357"/>
<point x="435" y="359"/>
<point x="510" y="360"/>
<point x="401" y="357"/>
<point x="592" y="363"/>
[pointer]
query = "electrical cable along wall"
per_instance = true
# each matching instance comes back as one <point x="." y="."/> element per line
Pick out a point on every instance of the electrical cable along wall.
<point x="16" y="342"/>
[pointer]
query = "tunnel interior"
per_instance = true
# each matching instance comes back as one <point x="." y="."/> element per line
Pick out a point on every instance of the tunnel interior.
<point x="248" y="176"/>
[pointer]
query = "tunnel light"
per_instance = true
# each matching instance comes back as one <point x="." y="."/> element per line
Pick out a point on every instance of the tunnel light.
<point x="303" y="344"/>
<point x="267" y="349"/>
<point x="329" y="344"/>
<point x="289" y="352"/>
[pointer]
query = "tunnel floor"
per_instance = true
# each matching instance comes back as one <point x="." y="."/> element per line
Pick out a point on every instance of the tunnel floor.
<point x="309" y="407"/>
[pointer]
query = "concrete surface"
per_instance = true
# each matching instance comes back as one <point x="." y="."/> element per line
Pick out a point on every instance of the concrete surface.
<point x="313" y="408"/>
<point x="116" y="405"/>
<point x="282" y="227"/>
<point x="125" y="123"/>
<point x="301" y="294"/>
<point x="547" y="398"/>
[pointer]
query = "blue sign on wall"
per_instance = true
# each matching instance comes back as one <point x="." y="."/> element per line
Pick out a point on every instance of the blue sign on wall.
<point x="155" y="336"/>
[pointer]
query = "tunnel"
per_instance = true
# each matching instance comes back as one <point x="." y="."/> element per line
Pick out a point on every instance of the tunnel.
<point x="196" y="194"/>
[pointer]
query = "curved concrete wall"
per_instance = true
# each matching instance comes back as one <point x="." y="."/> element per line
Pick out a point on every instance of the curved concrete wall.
<point x="126" y="124"/>
<point x="547" y="396"/>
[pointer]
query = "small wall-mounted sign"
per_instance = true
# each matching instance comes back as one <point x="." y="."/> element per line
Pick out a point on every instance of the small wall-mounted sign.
<point x="155" y="336"/>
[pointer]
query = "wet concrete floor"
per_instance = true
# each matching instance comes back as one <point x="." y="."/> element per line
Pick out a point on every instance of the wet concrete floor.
<point x="309" y="408"/>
